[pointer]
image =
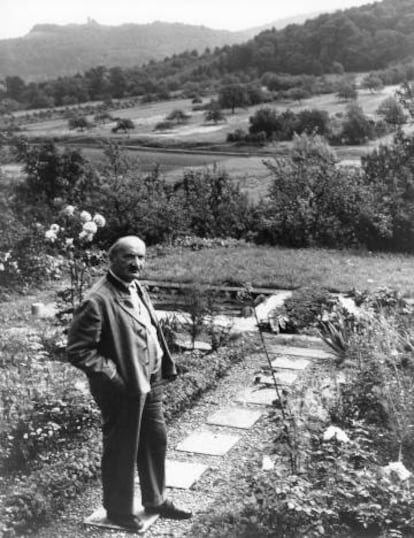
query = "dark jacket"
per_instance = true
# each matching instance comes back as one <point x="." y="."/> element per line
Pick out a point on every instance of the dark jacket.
<point x="108" y="338"/>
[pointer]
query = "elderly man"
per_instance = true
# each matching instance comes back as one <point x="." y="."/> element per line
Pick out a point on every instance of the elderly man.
<point x="116" y="340"/>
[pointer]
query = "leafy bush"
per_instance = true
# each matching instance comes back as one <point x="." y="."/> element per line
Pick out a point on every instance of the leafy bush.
<point x="52" y="177"/>
<point x="344" y="493"/>
<point x="163" y="125"/>
<point x="312" y="201"/>
<point x="214" y="205"/>
<point x="388" y="172"/>
<point x="303" y="309"/>
<point x="51" y="426"/>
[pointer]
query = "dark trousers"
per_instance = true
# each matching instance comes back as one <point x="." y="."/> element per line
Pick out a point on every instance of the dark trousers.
<point x="134" y="435"/>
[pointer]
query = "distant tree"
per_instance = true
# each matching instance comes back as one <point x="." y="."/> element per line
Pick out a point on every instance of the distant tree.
<point x="97" y="81"/>
<point x="214" y="114"/>
<point x="372" y="82"/>
<point x="338" y="68"/>
<point x="255" y="94"/>
<point x="357" y="128"/>
<point x="313" y="121"/>
<point x="178" y="115"/>
<point x="392" y="112"/>
<point x="15" y="87"/>
<point x="117" y="82"/>
<point x="405" y="95"/>
<point x="297" y="94"/>
<point x="123" y="124"/>
<point x="79" y="122"/>
<point x="264" y="120"/>
<point x="347" y="90"/>
<point x="233" y="96"/>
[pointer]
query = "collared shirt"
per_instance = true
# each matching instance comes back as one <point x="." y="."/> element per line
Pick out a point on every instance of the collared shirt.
<point x="154" y="349"/>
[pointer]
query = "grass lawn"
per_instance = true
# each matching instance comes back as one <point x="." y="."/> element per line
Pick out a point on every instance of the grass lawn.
<point x="285" y="268"/>
<point x="262" y="266"/>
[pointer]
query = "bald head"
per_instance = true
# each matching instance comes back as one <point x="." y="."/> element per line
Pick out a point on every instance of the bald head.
<point x="127" y="257"/>
<point x="124" y="243"/>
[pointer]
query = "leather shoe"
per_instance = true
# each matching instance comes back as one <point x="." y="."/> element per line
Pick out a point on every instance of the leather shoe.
<point x="127" y="521"/>
<point x="168" y="510"/>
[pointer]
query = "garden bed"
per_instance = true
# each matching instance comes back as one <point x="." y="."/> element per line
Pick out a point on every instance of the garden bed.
<point x="51" y="450"/>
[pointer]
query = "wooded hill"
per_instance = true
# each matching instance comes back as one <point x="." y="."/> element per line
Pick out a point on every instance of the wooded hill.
<point x="51" y="50"/>
<point x="368" y="38"/>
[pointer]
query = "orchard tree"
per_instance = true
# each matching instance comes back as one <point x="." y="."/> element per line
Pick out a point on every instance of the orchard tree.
<point x="265" y="120"/>
<point x="372" y="82"/>
<point x="392" y="111"/>
<point x="347" y="90"/>
<point x="123" y="124"/>
<point x="233" y="96"/>
<point x="214" y="114"/>
<point x="79" y="122"/>
<point x="178" y="115"/>
<point x="357" y="128"/>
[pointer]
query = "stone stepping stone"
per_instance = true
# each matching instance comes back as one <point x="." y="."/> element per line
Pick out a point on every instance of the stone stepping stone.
<point x="282" y="378"/>
<point x="182" y="474"/>
<point x="305" y="352"/>
<point x="290" y="363"/>
<point x="300" y="340"/>
<point x="213" y="444"/>
<point x="186" y="344"/>
<point x="98" y="519"/>
<point x="235" y="417"/>
<point x="258" y="396"/>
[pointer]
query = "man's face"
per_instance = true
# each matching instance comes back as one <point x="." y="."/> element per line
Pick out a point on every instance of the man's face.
<point x="129" y="260"/>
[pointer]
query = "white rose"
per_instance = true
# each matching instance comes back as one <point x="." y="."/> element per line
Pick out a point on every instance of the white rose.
<point x="68" y="211"/>
<point x="51" y="236"/>
<point x="85" y="236"/>
<point x="99" y="220"/>
<point x="85" y="216"/>
<point x="90" y="227"/>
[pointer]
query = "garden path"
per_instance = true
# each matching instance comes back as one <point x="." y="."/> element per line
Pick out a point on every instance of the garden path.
<point x="212" y="445"/>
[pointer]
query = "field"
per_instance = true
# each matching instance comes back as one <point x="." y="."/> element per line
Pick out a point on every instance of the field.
<point x="197" y="144"/>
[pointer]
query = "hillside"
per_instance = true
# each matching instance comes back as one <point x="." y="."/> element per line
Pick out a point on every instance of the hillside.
<point x="369" y="37"/>
<point x="51" y="50"/>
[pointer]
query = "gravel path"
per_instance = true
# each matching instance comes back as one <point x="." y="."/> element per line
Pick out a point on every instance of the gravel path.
<point x="218" y="483"/>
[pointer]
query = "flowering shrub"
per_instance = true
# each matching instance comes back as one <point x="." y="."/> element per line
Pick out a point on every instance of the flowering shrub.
<point x="345" y="492"/>
<point x="72" y="236"/>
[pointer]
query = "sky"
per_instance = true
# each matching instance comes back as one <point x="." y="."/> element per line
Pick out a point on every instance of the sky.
<point x="17" y="17"/>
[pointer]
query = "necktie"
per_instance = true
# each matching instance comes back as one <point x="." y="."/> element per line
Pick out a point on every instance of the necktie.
<point x="134" y="297"/>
